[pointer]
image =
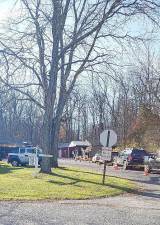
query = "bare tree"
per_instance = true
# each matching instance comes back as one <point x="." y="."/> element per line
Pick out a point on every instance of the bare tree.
<point x="55" y="41"/>
<point x="146" y="84"/>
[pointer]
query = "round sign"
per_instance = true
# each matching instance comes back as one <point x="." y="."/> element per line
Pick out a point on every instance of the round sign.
<point x="108" y="138"/>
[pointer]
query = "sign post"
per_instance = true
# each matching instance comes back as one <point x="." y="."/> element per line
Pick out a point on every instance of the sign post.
<point x="33" y="161"/>
<point x="108" y="138"/>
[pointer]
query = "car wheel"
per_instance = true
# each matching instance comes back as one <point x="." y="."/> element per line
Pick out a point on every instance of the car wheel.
<point x="125" y="165"/>
<point x="40" y="164"/>
<point x="15" y="163"/>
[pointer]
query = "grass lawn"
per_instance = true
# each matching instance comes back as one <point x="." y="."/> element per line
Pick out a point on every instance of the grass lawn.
<point x="65" y="183"/>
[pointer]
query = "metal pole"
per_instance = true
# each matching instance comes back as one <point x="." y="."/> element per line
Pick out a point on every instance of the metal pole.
<point x="105" y="161"/>
<point x="104" y="172"/>
<point x="108" y="137"/>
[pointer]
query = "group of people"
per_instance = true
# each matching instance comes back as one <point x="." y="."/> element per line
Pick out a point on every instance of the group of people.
<point x="75" y="154"/>
<point x="79" y="155"/>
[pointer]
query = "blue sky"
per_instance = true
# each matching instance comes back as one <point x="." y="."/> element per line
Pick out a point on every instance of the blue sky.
<point x="137" y="26"/>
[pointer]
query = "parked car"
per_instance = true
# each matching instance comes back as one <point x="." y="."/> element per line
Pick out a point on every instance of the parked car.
<point x="131" y="157"/>
<point x="96" y="158"/>
<point x="152" y="163"/>
<point x="21" y="156"/>
<point x="5" y="150"/>
<point x="114" y="155"/>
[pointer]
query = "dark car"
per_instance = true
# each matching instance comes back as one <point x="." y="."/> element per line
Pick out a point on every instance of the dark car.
<point x="131" y="157"/>
<point x="4" y="151"/>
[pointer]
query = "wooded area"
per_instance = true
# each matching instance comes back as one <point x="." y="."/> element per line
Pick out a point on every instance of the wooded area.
<point x="70" y="69"/>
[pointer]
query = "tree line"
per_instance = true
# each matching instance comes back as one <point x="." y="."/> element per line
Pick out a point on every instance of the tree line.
<point x="47" y="51"/>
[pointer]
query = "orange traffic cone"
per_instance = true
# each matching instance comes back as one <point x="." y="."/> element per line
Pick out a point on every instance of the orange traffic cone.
<point x="115" y="166"/>
<point x="146" y="171"/>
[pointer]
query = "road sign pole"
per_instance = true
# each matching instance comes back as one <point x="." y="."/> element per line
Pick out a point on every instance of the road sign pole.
<point x="104" y="172"/>
<point x="105" y="161"/>
<point x="107" y="138"/>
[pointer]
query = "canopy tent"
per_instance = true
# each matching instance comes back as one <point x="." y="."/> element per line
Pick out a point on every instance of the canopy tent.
<point x="66" y="150"/>
<point x="80" y="144"/>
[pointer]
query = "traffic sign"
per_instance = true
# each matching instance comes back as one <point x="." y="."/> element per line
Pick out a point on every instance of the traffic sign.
<point x="108" y="138"/>
<point x="106" y="153"/>
<point x="33" y="160"/>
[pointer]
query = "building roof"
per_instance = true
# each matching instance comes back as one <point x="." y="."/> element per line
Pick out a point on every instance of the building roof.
<point x="11" y="142"/>
<point x="80" y="144"/>
<point x="63" y="145"/>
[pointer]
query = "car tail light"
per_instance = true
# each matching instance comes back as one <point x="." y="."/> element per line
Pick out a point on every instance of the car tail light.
<point x="129" y="158"/>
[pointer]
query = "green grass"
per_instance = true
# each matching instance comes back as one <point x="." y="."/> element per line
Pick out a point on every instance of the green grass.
<point x="18" y="183"/>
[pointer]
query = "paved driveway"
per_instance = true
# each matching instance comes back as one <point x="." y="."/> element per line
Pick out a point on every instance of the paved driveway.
<point x="142" y="208"/>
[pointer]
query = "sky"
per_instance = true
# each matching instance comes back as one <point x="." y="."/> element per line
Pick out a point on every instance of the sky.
<point x="6" y="9"/>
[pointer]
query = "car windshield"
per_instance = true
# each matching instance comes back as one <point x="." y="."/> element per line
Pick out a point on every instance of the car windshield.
<point x="139" y="152"/>
<point x="16" y="150"/>
<point x="128" y="151"/>
<point x="115" y="153"/>
<point x="125" y="152"/>
<point x="30" y="150"/>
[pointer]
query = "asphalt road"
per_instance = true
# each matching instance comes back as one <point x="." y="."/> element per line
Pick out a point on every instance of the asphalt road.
<point x="142" y="208"/>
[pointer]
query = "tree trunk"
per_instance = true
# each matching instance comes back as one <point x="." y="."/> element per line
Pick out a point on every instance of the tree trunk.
<point x="47" y="142"/>
<point x="54" y="141"/>
<point x="46" y="165"/>
<point x="50" y="134"/>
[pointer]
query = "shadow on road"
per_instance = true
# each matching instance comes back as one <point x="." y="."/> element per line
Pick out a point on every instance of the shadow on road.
<point x="154" y="180"/>
<point x="149" y="194"/>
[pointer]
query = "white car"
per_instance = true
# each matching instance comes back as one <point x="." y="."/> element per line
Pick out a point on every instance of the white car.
<point x="152" y="164"/>
<point x="97" y="158"/>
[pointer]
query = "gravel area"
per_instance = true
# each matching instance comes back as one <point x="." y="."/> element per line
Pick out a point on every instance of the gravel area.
<point x="127" y="209"/>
